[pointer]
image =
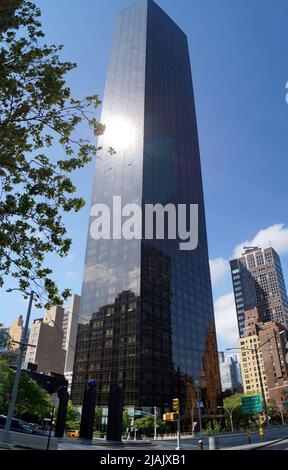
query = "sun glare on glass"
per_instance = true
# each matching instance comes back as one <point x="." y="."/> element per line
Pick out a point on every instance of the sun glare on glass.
<point x="119" y="133"/>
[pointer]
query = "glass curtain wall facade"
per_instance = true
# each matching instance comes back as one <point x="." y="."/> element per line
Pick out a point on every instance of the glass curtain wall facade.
<point x="149" y="309"/>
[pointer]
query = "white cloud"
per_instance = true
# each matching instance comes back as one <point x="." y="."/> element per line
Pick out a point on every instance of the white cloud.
<point x="275" y="235"/>
<point x="219" y="267"/>
<point x="226" y="319"/>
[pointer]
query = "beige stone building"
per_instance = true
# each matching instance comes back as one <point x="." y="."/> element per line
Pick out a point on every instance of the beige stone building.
<point x="248" y="363"/>
<point x="54" y="337"/>
<point x="47" y="336"/>
<point x="270" y="340"/>
<point x="70" y="326"/>
<point x="15" y="333"/>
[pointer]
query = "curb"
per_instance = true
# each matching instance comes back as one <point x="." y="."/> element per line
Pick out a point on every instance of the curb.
<point x="6" y="446"/>
<point x="104" y="443"/>
<point x="256" y="446"/>
<point x="271" y="443"/>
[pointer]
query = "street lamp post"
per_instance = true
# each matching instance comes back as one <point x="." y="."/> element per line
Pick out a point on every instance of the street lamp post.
<point x="230" y="416"/>
<point x="178" y="446"/>
<point x="155" y="423"/>
<point x="262" y="388"/>
<point x="51" y="425"/>
<point x="199" y="406"/>
<point x="192" y="420"/>
<point x="6" y="439"/>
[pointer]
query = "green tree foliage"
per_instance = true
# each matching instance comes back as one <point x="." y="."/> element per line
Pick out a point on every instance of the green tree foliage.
<point x="4" y="338"/>
<point x="5" y="383"/>
<point x="73" y="417"/>
<point x="39" y="119"/>
<point x="126" y="420"/>
<point x="233" y="403"/>
<point x="73" y="425"/>
<point x="72" y="412"/>
<point x="98" y="419"/>
<point x="162" y="427"/>
<point x="213" y="427"/>
<point x="31" y="399"/>
<point x="10" y="356"/>
<point x="145" y="425"/>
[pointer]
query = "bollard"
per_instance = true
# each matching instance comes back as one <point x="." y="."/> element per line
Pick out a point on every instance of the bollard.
<point x="213" y="443"/>
<point x="200" y="445"/>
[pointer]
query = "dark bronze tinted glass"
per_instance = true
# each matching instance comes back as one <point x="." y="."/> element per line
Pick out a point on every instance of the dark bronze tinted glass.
<point x="150" y="322"/>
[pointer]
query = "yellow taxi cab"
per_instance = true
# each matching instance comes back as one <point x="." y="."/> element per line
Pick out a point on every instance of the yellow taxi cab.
<point x="72" y="433"/>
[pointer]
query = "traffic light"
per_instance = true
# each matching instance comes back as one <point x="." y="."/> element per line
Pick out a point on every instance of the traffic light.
<point x="170" y="417"/>
<point x="176" y="405"/>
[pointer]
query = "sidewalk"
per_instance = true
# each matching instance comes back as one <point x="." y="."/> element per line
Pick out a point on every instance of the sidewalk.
<point x="223" y="435"/>
<point x="258" y="445"/>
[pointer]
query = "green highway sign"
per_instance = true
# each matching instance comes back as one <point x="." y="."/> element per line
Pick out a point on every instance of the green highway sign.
<point x="135" y="413"/>
<point x="251" y="404"/>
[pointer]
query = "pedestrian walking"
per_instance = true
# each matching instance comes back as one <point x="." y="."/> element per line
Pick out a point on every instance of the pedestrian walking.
<point x="261" y="433"/>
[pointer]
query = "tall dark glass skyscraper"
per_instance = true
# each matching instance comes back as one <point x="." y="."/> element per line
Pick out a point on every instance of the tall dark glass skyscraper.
<point x="148" y="305"/>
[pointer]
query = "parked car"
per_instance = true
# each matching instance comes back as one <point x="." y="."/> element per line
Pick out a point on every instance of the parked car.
<point x="18" y="425"/>
<point x="37" y="428"/>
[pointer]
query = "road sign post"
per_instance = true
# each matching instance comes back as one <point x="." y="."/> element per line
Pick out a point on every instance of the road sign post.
<point x="54" y="401"/>
<point x="176" y="409"/>
<point x="155" y="423"/>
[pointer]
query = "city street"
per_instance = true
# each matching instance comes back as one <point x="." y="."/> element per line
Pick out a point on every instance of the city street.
<point x="229" y="441"/>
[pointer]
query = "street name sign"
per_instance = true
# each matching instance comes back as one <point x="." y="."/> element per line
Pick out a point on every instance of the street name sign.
<point x="54" y="399"/>
<point x="135" y="413"/>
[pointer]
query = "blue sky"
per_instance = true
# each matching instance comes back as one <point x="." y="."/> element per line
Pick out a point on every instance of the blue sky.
<point x="238" y="51"/>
